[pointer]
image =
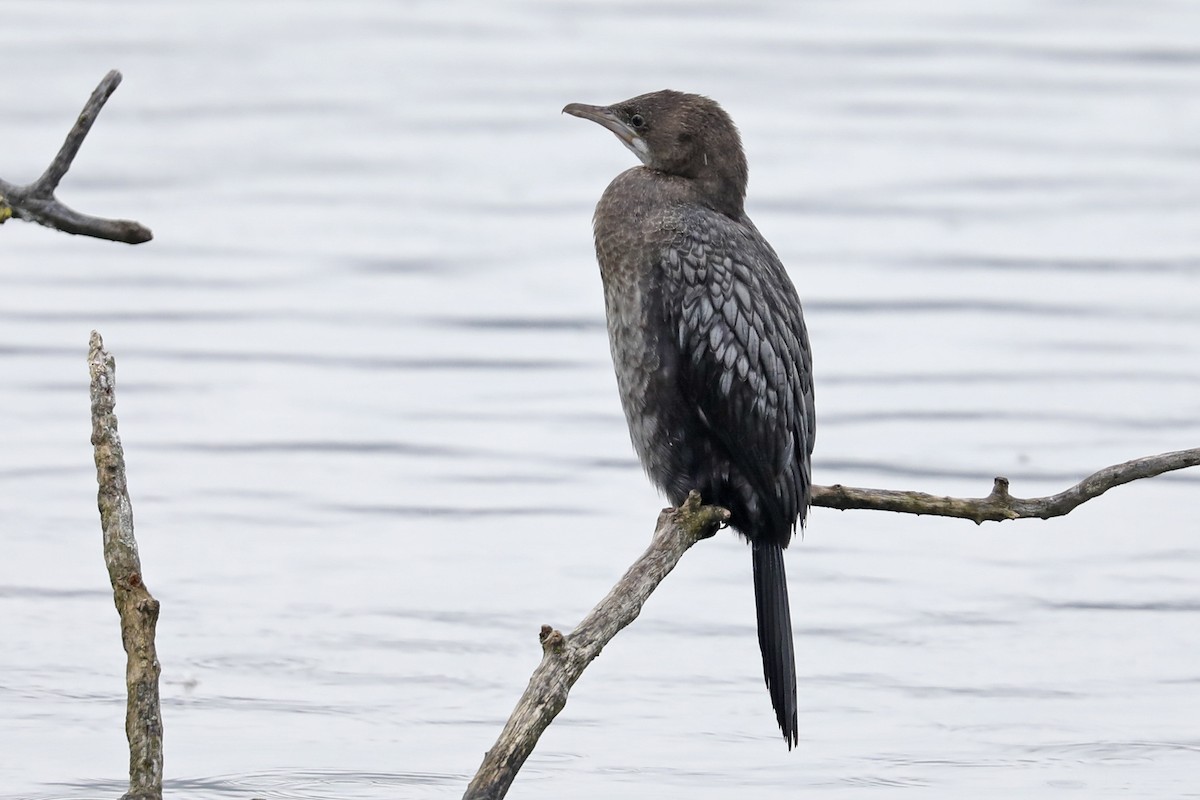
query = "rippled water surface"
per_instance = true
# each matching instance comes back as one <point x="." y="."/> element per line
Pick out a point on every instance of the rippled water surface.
<point x="374" y="440"/>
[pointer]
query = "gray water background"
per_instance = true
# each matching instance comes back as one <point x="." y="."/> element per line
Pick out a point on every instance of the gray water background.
<point x="374" y="440"/>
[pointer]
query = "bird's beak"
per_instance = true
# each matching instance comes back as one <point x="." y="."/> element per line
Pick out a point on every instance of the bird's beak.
<point x="608" y="118"/>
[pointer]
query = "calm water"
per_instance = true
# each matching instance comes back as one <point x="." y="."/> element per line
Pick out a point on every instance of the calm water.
<point x="374" y="440"/>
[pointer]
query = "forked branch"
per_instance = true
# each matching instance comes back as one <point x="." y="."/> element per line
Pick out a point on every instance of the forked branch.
<point x="565" y="657"/>
<point x="36" y="202"/>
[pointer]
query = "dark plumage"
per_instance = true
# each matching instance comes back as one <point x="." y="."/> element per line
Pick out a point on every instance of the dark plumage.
<point x="708" y="342"/>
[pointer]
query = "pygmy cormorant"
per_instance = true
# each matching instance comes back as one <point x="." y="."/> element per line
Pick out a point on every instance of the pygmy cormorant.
<point x="708" y="342"/>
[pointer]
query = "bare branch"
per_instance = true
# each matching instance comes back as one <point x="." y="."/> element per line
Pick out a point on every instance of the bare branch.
<point x="35" y="202"/>
<point x="1000" y="505"/>
<point x="66" y="154"/>
<point x="565" y="657"/>
<point x="138" y="609"/>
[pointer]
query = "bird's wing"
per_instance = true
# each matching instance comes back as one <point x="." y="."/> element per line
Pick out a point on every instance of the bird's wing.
<point x="744" y="356"/>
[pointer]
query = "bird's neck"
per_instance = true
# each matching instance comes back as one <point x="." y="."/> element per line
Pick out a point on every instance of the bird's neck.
<point x="721" y="192"/>
<point x="719" y="180"/>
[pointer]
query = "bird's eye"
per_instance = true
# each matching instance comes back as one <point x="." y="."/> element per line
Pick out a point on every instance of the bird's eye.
<point x="637" y="121"/>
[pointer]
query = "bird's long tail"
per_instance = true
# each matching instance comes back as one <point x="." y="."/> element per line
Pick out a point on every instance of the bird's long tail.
<point x="775" y="635"/>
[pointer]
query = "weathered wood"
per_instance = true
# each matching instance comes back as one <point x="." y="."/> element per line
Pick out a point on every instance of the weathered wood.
<point x="36" y="202"/>
<point x="137" y="607"/>
<point x="565" y="657"/>
<point x="1000" y="505"/>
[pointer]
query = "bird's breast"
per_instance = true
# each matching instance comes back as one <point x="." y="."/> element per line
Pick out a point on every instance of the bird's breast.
<point x="633" y="229"/>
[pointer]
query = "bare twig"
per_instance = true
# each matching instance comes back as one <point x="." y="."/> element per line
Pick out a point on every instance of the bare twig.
<point x="565" y="657"/>
<point x="1000" y="505"/>
<point x="138" y="609"/>
<point x="36" y="202"/>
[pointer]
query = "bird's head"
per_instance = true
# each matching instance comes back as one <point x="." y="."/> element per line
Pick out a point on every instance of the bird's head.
<point x="687" y="135"/>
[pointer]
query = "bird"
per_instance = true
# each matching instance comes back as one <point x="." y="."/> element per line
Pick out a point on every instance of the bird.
<point x="708" y="342"/>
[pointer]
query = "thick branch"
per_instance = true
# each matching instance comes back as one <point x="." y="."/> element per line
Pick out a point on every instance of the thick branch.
<point x="1000" y="505"/>
<point x="138" y="609"/>
<point x="36" y="202"/>
<point x="565" y="657"/>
